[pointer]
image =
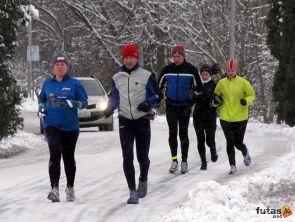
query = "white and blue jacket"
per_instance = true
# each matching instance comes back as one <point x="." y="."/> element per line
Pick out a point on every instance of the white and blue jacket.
<point x="132" y="87"/>
<point x="179" y="79"/>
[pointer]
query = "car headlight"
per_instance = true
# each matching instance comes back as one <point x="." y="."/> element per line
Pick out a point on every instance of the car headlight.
<point x="102" y="105"/>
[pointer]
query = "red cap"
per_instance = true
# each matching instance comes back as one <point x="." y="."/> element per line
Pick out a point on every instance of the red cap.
<point x="178" y="49"/>
<point x="130" y="50"/>
<point x="231" y="65"/>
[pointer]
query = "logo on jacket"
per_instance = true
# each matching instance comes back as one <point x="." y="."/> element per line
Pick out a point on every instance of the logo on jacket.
<point x="65" y="88"/>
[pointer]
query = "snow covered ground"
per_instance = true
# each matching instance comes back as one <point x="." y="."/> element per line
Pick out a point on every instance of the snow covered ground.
<point x="22" y="141"/>
<point x="246" y="198"/>
<point x="264" y="187"/>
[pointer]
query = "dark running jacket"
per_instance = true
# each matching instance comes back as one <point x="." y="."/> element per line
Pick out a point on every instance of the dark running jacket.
<point x="179" y="79"/>
<point x="203" y="108"/>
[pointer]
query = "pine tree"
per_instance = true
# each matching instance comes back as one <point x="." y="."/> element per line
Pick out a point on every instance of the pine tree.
<point x="281" y="25"/>
<point x="11" y="16"/>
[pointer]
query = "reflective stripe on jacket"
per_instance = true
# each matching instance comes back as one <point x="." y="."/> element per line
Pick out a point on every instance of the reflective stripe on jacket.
<point x="178" y="80"/>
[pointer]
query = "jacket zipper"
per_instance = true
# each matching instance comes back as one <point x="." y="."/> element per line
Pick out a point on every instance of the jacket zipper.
<point x="129" y="96"/>
<point x="177" y="87"/>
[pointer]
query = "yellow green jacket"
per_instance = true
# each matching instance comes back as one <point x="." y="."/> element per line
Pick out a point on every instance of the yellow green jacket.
<point x="232" y="91"/>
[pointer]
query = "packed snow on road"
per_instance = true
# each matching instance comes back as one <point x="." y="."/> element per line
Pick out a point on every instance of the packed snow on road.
<point x="262" y="192"/>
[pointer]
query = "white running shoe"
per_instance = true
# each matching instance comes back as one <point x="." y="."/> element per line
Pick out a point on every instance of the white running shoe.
<point x="184" y="167"/>
<point x="174" y="167"/>
<point x="70" y="194"/>
<point x="247" y="159"/>
<point x="233" y="169"/>
<point x="54" y="195"/>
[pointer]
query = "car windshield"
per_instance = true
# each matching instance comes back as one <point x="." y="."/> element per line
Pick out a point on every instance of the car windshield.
<point x="92" y="87"/>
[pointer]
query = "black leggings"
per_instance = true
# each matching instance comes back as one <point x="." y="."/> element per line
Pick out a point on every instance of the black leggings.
<point x="140" y="131"/>
<point x="234" y="134"/>
<point x="205" y="131"/>
<point x="178" y="116"/>
<point x="61" y="144"/>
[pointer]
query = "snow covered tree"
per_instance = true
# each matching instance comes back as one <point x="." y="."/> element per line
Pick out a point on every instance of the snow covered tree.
<point x="281" y="37"/>
<point x="11" y="16"/>
<point x="93" y="32"/>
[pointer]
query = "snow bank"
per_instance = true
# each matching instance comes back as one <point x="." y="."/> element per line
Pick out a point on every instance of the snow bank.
<point x="30" y="105"/>
<point x="245" y="199"/>
<point x="20" y="142"/>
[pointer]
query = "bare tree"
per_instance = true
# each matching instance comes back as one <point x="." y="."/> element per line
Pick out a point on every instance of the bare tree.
<point x="93" y="32"/>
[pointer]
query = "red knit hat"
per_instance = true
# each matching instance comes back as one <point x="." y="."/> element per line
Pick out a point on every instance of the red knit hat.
<point x="130" y="50"/>
<point x="231" y="65"/>
<point x="178" y="49"/>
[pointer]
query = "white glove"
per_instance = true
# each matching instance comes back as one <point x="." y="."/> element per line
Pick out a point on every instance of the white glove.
<point x="70" y="103"/>
<point x="42" y="113"/>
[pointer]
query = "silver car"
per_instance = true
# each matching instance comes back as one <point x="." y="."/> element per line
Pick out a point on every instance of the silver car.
<point x="97" y="103"/>
<point x="92" y="116"/>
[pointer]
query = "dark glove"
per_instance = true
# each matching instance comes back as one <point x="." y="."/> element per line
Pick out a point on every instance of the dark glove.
<point x="217" y="100"/>
<point x="243" y="102"/>
<point x="108" y="112"/>
<point x="192" y="96"/>
<point x="42" y="111"/>
<point x="198" y="89"/>
<point x="144" y="107"/>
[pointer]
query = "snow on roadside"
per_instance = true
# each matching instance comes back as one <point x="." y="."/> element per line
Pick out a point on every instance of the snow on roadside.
<point x="244" y="199"/>
<point x="20" y="142"/>
<point x="30" y="105"/>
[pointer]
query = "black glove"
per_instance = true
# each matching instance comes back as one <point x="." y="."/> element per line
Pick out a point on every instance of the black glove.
<point x="243" y="102"/>
<point x="192" y="96"/>
<point x="144" y="107"/>
<point x="198" y="89"/>
<point x="108" y="112"/>
<point x="217" y="100"/>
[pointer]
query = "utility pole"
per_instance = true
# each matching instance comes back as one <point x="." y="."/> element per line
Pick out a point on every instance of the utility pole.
<point x="232" y="29"/>
<point x="30" y="64"/>
<point x="141" y="58"/>
<point x="32" y="51"/>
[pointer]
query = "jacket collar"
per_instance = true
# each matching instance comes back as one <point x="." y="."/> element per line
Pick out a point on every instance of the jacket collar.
<point x="232" y="77"/>
<point x="206" y="81"/>
<point x="65" y="77"/>
<point x="182" y="64"/>
<point x="124" y="68"/>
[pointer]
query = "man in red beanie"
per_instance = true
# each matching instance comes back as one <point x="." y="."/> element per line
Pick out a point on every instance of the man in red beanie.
<point x="130" y="50"/>
<point x="179" y="77"/>
<point x="135" y="92"/>
<point x="178" y="49"/>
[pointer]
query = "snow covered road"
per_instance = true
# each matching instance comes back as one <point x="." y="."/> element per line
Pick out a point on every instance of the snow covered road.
<point x="101" y="189"/>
